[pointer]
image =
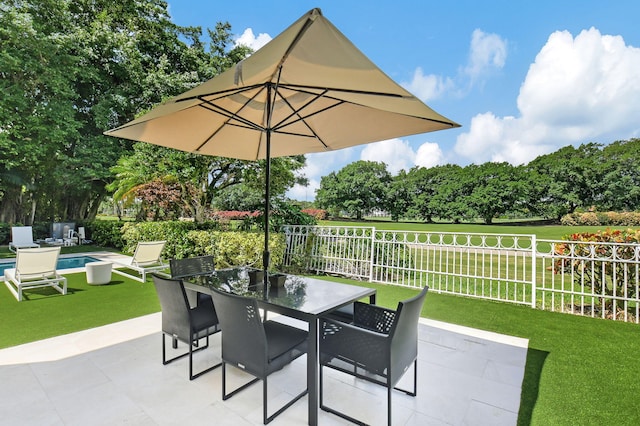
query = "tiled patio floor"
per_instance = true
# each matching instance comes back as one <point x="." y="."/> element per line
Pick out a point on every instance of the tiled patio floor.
<point x="114" y="375"/>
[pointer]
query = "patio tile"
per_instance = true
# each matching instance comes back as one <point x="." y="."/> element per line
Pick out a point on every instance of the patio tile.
<point x="114" y="375"/>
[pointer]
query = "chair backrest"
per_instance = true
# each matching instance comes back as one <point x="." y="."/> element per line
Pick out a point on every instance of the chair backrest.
<point x="404" y="334"/>
<point x="36" y="262"/>
<point x="148" y="252"/>
<point x="81" y="233"/>
<point x="174" y="305"/>
<point x="21" y="235"/>
<point x="244" y="342"/>
<point x="191" y="266"/>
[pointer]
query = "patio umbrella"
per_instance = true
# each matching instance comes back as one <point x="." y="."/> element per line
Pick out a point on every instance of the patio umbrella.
<point x="308" y="90"/>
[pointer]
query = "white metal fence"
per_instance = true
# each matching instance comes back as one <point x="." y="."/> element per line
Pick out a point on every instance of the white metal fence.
<point x="595" y="279"/>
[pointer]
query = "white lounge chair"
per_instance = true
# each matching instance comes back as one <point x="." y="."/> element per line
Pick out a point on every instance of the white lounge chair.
<point x="35" y="267"/>
<point x="145" y="259"/>
<point x="22" y="237"/>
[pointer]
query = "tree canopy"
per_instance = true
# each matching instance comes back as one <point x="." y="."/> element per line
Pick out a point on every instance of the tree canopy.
<point x="358" y="188"/>
<point x="69" y="70"/>
<point x="592" y="175"/>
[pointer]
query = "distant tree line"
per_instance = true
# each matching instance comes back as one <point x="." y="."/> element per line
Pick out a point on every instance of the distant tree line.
<point x="590" y="176"/>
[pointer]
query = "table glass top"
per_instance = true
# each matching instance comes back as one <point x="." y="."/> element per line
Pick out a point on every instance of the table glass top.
<point x="304" y="294"/>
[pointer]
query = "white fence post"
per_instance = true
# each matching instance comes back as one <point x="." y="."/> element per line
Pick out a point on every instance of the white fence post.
<point x="372" y="257"/>
<point x="534" y="270"/>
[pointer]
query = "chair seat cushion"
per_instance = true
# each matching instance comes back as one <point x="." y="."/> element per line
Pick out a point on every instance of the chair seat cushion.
<point x="204" y="318"/>
<point x="285" y="343"/>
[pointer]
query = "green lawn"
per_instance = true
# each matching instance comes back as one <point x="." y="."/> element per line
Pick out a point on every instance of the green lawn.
<point x="544" y="232"/>
<point x="47" y="313"/>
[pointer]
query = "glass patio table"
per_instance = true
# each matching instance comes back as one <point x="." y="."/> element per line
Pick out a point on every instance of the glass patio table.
<point x="302" y="298"/>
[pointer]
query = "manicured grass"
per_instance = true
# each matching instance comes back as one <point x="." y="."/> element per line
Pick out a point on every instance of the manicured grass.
<point x="47" y="313"/>
<point x="544" y="232"/>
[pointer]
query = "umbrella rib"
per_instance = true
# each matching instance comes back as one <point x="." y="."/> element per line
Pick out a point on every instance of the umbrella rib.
<point x="230" y="115"/>
<point x="221" y="93"/>
<point x="340" y="90"/>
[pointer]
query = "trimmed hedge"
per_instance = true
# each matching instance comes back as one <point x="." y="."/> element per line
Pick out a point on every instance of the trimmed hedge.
<point x="187" y="239"/>
<point x="602" y="219"/>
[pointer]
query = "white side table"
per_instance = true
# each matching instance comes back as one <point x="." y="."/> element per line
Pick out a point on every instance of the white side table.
<point x="98" y="273"/>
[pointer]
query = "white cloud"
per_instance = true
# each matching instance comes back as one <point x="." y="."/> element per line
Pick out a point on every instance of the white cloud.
<point x="488" y="52"/>
<point x="248" y="39"/>
<point x="429" y="155"/>
<point x="577" y="90"/>
<point x="427" y="87"/>
<point x="395" y="153"/>
<point x="304" y="193"/>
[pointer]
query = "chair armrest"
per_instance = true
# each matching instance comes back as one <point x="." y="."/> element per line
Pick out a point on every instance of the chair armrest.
<point x="373" y="317"/>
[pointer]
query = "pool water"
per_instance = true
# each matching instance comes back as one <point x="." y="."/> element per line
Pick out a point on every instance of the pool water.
<point x="63" y="263"/>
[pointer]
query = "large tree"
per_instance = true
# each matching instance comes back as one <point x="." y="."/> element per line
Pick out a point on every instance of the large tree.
<point x="69" y="70"/>
<point x="566" y="179"/>
<point x="357" y="188"/>
<point x="497" y="189"/>
<point x="451" y="186"/>
<point x="621" y="181"/>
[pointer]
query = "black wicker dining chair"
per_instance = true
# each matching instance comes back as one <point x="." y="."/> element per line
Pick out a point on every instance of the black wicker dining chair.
<point x="190" y="267"/>
<point x="379" y="346"/>
<point x="255" y="346"/>
<point x="184" y="323"/>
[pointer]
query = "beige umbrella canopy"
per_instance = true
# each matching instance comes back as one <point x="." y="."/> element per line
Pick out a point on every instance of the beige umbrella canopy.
<point x="308" y="90"/>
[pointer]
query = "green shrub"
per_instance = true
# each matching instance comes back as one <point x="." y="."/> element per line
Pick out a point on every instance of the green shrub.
<point x="188" y="239"/>
<point x="105" y="233"/>
<point x="245" y="248"/>
<point x="5" y="233"/>
<point x="282" y="213"/>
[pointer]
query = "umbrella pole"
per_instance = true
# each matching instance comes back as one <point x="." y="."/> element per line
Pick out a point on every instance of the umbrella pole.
<point x="265" y="253"/>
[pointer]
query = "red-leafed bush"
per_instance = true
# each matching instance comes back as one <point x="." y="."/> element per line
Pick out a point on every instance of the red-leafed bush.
<point x="600" y="259"/>
<point x="317" y="214"/>
<point x="233" y="215"/>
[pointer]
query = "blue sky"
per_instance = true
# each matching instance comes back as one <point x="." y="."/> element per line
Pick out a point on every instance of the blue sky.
<point x="522" y="78"/>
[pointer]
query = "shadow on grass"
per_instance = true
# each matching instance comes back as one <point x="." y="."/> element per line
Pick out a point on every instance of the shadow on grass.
<point x="531" y="384"/>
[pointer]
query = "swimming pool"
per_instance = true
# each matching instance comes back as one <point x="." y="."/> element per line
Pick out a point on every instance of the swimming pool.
<point x="63" y="263"/>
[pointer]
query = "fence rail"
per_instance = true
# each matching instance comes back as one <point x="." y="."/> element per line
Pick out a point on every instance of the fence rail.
<point x="594" y="279"/>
